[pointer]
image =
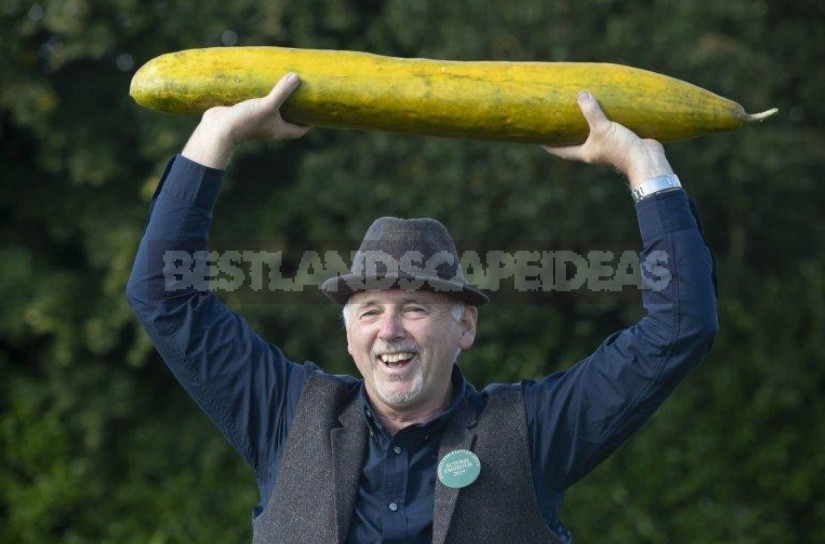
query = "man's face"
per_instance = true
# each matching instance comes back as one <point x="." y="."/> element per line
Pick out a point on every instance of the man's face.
<point x="404" y="343"/>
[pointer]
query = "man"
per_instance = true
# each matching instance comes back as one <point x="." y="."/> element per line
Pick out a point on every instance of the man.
<point x="411" y="452"/>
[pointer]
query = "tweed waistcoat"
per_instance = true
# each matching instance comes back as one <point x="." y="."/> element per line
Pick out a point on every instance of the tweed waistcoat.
<point x="314" y="498"/>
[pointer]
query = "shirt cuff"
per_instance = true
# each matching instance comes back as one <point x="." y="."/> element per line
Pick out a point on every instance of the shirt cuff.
<point x="191" y="182"/>
<point x="664" y="213"/>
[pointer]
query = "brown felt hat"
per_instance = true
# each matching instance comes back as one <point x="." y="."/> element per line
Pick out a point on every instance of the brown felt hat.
<point x="410" y="254"/>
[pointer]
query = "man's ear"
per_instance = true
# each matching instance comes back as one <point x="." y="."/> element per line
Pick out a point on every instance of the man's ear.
<point x="349" y="345"/>
<point x="468" y="327"/>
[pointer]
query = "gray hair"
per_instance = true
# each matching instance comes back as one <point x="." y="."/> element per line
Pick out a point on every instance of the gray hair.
<point x="457" y="311"/>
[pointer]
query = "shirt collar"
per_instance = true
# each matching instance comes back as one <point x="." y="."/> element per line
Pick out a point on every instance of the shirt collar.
<point x="459" y="393"/>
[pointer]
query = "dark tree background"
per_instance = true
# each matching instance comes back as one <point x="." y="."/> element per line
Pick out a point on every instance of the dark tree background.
<point x="98" y="443"/>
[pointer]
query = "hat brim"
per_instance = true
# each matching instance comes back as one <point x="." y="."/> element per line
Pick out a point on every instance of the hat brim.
<point x="340" y="288"/>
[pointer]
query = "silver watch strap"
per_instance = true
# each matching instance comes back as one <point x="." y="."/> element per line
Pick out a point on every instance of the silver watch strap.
<point x="655" y="185"/>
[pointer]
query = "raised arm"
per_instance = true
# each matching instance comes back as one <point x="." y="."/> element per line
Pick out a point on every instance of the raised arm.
<point x="579" y="416"/>
<point x="245" y="385"/>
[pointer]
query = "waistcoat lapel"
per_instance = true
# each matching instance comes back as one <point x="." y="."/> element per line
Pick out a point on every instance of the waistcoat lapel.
<point x="458" y="435"/>
<point x="348" y="448"/>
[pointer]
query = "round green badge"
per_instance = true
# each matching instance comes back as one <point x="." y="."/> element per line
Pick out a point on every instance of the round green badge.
<point x="459" y="468"/>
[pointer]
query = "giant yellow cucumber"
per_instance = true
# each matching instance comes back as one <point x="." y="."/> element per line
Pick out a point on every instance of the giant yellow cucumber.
<point x="491" y="100"/>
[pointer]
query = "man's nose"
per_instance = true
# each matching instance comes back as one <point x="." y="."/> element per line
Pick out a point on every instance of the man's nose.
<point x="391" y="327"/>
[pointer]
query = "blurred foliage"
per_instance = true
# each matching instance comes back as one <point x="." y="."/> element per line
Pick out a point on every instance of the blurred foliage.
<point x="98" y="444"/>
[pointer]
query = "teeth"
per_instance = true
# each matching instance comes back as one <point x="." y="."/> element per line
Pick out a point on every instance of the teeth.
<point x="396" y="357"/>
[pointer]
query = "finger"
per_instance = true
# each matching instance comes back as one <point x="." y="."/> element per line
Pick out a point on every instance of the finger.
<point x="282" y="90"/>
<point x="570" y="152"/>
<point x="591" y="110"/>
<point x="292" y="131"/>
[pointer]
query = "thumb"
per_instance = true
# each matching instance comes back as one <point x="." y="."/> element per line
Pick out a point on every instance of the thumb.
<point x="591" y="110"/>
<point x="282" y="91"/>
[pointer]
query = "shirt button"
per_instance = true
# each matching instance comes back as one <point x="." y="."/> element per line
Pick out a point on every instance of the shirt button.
<point x="393" y="507"/>
<point x="397" y="450"/>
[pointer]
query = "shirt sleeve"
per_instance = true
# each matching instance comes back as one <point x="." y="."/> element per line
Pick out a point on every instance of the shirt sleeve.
<point x="245" y="385"/>
<point x="578" y="417"/>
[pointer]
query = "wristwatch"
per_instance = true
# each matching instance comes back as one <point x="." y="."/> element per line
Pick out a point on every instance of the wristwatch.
<point x="659" y="184"/>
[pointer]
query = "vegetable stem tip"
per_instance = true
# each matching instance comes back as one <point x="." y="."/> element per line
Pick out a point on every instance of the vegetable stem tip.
<point x="762" y="116"/>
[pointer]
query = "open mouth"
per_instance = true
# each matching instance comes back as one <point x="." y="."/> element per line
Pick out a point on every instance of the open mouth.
<point x="397" y="360"/>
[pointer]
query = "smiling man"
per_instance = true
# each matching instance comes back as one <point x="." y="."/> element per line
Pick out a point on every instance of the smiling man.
<point x="404" y="345"/>
<point x="411" y="452"/>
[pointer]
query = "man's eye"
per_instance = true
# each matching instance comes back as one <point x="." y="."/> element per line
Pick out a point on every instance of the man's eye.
<point x="415" y="309"/>
<point x="369" y="313"/>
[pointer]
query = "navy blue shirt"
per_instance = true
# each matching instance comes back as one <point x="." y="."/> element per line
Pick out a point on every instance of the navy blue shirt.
<point x="575" y="418"/>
